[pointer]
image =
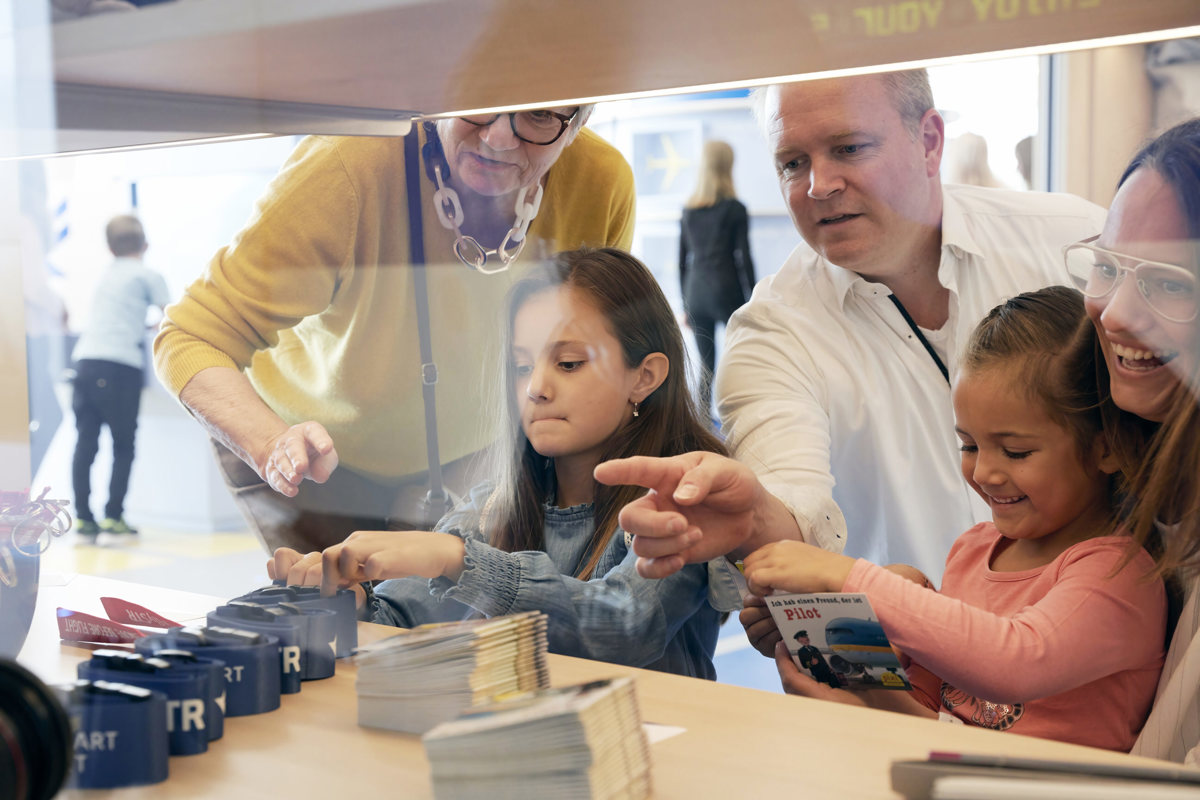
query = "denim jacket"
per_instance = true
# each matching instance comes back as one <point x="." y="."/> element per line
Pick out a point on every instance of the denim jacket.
<point x="666" y="624"/>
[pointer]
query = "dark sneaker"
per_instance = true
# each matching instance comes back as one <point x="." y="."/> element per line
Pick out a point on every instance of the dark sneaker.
<point x="86" y="527"/>
<point x="110" y="525"/>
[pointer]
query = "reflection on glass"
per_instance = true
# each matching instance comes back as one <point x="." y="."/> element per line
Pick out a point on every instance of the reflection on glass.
<point x="276" y="317"/>
<point x="316" y="321"/>
<point x="73" y="9"/>
<point x="965" y="160"/>
<point x="989" y="107"/>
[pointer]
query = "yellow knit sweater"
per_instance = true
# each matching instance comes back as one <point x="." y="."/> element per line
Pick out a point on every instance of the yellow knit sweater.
<point x="314" y="301"/>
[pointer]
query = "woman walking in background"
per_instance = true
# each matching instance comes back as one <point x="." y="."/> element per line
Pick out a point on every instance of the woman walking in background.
<point x="715" y="270"/>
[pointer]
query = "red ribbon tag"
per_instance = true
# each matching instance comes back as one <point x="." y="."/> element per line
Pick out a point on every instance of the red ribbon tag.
<point x="75" y="626"/>
<point x="133" y="614"/>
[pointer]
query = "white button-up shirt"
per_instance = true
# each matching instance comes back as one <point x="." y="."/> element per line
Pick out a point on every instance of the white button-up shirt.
<point x="827" y="394"/>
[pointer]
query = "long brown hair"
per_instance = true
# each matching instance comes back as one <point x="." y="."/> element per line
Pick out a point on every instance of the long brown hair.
<point x="1162" y="462"/>
<point x="669" y="421"/>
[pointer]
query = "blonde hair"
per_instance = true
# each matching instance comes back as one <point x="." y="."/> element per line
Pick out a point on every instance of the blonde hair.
<point x="715" y="181"/>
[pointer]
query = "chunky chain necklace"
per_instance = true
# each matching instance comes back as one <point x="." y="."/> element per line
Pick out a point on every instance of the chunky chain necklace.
<point x="449" y="210"/>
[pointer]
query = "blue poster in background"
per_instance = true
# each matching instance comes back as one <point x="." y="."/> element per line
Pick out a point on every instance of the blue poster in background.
<point x="665" y="162"/>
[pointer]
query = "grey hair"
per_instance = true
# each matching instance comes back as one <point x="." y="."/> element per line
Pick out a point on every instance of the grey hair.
<point x="908" y="89"/>
<point x="911" y="95"/>
<point x="581" y="117"/>
<point x="758" y="106"/>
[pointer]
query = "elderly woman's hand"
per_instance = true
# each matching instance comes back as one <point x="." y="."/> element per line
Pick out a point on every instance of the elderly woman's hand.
<point x="302" y="451"/>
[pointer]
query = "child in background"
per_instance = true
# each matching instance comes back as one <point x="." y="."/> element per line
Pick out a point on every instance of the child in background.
<point x="595" y="370"/>
<point x="1046" y="623"/>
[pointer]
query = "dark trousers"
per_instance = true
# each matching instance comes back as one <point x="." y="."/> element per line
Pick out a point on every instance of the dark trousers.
<point x="106" y="393"/>
<point x="704" y="328"/>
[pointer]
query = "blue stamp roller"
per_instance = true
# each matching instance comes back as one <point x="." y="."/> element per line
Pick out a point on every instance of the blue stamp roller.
<point x="341" y="603"/>
<point x="212" y="672"/>
<point x="120" y="734"/>
<point x="306" y="636"/>
<point x="252" y="673"/>
<point x="186" y="691"/>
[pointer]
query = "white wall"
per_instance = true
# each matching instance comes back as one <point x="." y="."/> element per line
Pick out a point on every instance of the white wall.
<point x="25" y="109"/>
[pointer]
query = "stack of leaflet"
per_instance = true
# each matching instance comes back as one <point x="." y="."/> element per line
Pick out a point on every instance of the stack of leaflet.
<point x="583" y="741"/>
<point x="414" y="680"/>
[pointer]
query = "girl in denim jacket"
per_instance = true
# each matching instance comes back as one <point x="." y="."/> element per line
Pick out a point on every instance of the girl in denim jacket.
<point x="594" y="370"/>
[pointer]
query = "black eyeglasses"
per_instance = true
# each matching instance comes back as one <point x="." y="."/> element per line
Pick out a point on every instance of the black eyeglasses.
<point x="541" y="127"/>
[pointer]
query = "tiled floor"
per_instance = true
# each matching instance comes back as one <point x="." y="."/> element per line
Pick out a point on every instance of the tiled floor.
<point x="228" y="564"/>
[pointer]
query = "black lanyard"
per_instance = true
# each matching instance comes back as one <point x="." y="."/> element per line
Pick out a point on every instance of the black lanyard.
<point x="437" y="500"/>
<point x="916" y="330"/>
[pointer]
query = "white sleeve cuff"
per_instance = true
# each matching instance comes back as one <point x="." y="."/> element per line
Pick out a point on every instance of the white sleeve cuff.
<point x="820" y="520"/>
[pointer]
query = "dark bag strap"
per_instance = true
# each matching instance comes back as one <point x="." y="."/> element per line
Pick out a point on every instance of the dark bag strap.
<point x="912" y="325"/>
<point x="437" y="501"/>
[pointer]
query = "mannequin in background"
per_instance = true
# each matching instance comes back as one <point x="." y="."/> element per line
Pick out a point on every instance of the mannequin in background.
<point x="966" y="162"/>
<point x="1024" y="153"/>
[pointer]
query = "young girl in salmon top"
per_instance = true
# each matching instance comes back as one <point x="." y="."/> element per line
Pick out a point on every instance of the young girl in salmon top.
<point x="1046" y="623"/>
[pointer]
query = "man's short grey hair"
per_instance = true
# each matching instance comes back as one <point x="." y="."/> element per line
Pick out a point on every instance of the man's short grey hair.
<point x="125" y="236"/>
<point x="758" y="106"/>
<point x="911" y="95"/>
<point x="908" y="89"/>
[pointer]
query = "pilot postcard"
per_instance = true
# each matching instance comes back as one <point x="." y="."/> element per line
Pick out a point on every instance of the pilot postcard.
<point x="837" y="640"/>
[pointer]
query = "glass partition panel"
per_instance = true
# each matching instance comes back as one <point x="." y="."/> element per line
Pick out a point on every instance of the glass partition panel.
<point x="199" y="201"/>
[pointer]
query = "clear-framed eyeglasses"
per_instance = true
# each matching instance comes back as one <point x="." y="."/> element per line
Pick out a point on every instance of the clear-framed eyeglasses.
<point x="1168" y="289"/>
<point x="540" y="126"/>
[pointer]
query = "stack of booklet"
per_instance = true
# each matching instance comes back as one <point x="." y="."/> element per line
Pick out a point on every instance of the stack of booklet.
<point x="982" y="776"/>
<point x="420" y="677"/>
<point x="584" y="741"/>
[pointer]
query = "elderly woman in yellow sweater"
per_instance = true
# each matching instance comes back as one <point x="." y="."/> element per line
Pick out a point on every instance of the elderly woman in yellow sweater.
<point x="299" y="350"/>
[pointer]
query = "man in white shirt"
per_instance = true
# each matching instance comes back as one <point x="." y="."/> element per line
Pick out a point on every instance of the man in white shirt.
<point x="834" y="389"/>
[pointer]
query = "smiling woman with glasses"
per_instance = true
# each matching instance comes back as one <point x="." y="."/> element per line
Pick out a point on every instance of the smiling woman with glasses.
<point x="1169" y="289"/>
<point x="1139" y="279"/>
